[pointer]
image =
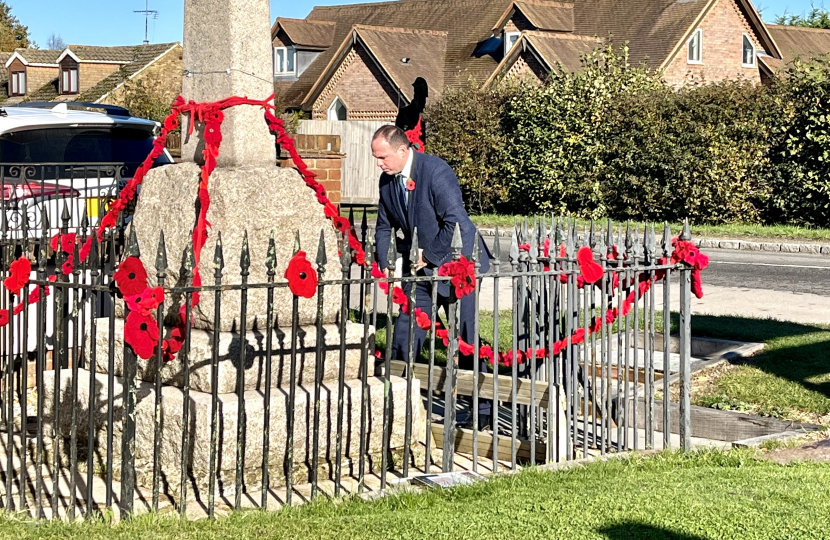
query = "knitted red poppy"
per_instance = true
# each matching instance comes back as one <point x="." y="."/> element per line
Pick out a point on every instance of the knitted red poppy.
<point x="400" y="298"/>
<point x="590" y="270"/>
<point x="131" y="277"/>
<point x="302" y="279"/>
<point x="376" y="273"/>
<point x="486" y="351"/>
<point x="142" y="334"/>
<point x="171" y="122"/>
<point x="213" y="134"/>
<point x="341" y="224"/>
<point x="67" y="242"/>
<point x="462" y="276"/>
<point x="19" y="272"/>
<point x="172" y="345"/>
<point x="153" y="298"/>
<point x="68" y="265"/>
<point x="4" y="317"/>
<point x="465" y="348"/>
<point x="422" y="319"/>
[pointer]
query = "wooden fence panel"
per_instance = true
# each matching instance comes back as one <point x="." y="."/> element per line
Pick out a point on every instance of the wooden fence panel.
<point x="360" y="174"/>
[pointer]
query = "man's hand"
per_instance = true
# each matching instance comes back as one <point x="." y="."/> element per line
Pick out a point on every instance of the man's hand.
<point x="420" y="264"/>
<point x="386" y="273"/>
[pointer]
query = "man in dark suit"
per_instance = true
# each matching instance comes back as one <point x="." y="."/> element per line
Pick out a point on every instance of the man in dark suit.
<point x="421" y="190"/>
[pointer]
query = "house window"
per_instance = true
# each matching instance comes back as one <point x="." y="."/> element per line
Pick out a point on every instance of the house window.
<point x="748" y="57"/>
<point x="284" y="60"/>
<point x="695" y="48"/>
<point x="69" y="81"/>
<point x="510" y="39"/>
<point x="18" y="83"/>
<point x="337" y="110"/>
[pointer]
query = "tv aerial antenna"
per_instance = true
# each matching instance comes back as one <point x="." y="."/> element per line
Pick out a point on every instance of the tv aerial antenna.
<point x="147" y="12"/>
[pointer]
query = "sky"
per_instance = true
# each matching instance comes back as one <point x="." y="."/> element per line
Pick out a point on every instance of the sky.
<point x="113" y="22"/>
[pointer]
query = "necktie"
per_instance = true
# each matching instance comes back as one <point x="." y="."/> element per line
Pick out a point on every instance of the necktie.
<point x="402" y="183"/>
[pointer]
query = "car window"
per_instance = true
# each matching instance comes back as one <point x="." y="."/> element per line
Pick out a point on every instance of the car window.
<point x="91" y="144"/>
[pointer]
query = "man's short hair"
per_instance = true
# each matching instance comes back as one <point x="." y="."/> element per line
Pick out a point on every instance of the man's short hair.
<point x="394" y="135"/>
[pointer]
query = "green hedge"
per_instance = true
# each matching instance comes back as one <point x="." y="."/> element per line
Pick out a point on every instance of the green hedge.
<point x="614" y="140"/>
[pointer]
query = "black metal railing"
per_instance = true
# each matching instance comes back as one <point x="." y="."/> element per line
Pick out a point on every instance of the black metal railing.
<point x="270" y="412"/>
<point x="84" y="189"/>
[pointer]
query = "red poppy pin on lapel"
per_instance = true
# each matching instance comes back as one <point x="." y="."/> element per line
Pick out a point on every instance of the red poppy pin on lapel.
<point x="410" y="186"/>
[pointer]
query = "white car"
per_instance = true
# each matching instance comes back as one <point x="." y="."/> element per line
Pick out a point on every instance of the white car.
<point x="56" y="155"/>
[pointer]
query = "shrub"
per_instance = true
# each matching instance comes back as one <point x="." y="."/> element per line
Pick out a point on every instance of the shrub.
<point x="463" y="129"/>
<point x="800" y="183"/>
<point x="614" y="140"/>
<point x="557" y="133"/>
<point x="700" y="152"/>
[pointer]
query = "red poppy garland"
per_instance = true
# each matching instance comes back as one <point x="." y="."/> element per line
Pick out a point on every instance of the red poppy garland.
<point x="131" y="277"/>
<point x="302" y="279"/>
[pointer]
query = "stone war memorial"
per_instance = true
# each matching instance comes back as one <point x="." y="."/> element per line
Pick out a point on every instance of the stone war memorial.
<point x="259" y="212"/>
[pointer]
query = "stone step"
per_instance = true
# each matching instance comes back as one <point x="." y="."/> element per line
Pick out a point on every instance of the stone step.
<point x="201" y="354"/>
<point x="197" y="448"/>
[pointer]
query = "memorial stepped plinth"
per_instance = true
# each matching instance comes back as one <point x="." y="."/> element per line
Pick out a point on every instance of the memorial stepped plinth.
<point x="198" y="426"/>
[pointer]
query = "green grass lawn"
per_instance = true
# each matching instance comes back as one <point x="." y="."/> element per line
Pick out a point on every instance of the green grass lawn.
<point x="701" y="495"/>
<point x="790" y="379"/>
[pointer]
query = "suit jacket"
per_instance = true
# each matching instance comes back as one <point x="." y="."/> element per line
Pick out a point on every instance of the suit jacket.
<point x="435" y="206"/>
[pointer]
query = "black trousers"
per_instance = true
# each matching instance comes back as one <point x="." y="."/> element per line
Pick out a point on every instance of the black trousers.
<point x="466" y="324"/>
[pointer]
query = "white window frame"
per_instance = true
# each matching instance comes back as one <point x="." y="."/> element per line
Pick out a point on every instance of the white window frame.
<point x="72" y="87"/>
<point x="698" y="35"/>
<point x="747" y="39"/>
<point x="17" y="83"/>
<point x="507" y="45"/>
<point x="279" y="69"/>
<point x="332" y="111"/>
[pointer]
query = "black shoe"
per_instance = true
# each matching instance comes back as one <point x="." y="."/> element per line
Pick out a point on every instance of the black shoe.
<point x="484" y="423"/>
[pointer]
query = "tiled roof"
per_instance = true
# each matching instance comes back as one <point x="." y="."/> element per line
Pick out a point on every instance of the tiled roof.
<point x="797" y="41"/>
<point x="313" y="34"/>
<point x="652" y="28"/>
<point x="563" y="50"/>
<point x="39" y="56"/>
<point x="143" y="55"/>
<point x="542" y="14"/>
<point x="47" y="92"/>
<point x="557" y="51"/>
<point x="467" y="23"/>
<point x="116" y="55"/>
<point x="424" y="50"/>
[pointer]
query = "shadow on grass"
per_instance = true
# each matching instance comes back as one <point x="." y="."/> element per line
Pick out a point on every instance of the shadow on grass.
<point x="795" y="352"/>
<point x="628" y="530"/>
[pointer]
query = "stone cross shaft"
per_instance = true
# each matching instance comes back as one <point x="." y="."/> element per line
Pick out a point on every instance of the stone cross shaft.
<point x="227" y="52"/>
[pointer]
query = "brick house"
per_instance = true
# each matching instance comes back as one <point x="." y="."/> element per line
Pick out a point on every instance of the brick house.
<point x="378" y="49"/>
<point x="88" y="73"/>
